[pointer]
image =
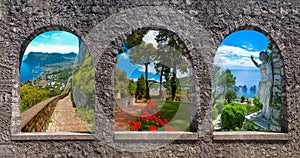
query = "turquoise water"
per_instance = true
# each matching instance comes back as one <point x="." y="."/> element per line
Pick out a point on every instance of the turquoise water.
<point x="248" y="78"/>
<point x="26" y="72"/>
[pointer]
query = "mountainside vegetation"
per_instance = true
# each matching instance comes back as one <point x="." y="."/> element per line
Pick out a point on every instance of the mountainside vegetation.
<point x="42" y="59"/>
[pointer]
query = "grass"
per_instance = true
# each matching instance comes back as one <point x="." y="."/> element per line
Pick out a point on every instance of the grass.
<point x="177" y="113"/>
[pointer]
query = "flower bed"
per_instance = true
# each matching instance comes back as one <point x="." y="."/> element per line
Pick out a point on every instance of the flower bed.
<point x="149" y="120"/>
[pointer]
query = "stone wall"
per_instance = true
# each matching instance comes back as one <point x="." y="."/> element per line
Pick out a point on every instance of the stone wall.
<point x="36" y="118"/>
<point x="275" y="107"/>
<point x="21" y="21"/>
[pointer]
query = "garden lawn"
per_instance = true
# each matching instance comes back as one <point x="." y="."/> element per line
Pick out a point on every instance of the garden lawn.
<point x="177" y="113"/>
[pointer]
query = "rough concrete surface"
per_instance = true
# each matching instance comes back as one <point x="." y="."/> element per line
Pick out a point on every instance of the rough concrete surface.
<point x="103" y="25"/>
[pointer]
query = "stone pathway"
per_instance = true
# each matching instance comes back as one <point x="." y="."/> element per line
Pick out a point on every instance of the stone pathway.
<point x="64" y="118"/>
<point x="123" y="116"/>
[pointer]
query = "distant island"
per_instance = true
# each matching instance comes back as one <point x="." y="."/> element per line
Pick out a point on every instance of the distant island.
<point x="42" y="59"/>
<point x="36" y="63"/>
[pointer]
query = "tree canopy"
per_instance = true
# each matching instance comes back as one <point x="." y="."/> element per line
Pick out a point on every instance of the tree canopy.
<point x="143" y="54"/>
<point x="221" y="80"/>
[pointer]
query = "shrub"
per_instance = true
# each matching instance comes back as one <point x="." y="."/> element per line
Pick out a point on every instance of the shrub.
<point x="230" y="95"/>
<point x="257" y="103"/>
<point x="31" y="95"/>
<point x="225" y="102"/>
<point x="249" y="126"/>
<point x="233" y="116"/>
<point x="248" y="101"/>
<point x="243" y="98"/>
<point x="252" y="109"/>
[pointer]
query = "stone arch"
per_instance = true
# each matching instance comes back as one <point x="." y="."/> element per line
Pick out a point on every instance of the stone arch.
<point x="16" y="119"/>
<point x="41" y="30"/>
<point x="185" y="53"/>
<point x="278" y="69"/>
<point x="104" y="41"/>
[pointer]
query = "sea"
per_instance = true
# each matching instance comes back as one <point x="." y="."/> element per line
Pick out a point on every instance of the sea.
<point x="248" y="78"/>
<point x="243" y="77"/>
<point x="29" y="72"/>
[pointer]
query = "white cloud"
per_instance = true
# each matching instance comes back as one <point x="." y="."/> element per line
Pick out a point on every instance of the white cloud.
<point x="125" y="55"/>
<point x="150" y="37"/>
<point x="150" y="68"/>
<point x="181" y="75"/>
<point x="249" y="47"/>
<point x="235" y="57"/>
<point x="52" y="48"/>
<point x="151" y="79"/>
<point x="231" y="50"/>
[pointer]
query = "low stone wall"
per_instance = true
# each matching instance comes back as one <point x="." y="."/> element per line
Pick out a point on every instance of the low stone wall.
<point x="36" y="118"/>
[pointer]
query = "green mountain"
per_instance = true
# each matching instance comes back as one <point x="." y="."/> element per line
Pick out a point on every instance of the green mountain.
<point x="41" y="59"/>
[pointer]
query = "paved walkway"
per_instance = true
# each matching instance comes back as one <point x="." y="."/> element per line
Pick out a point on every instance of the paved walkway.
<point x="64" y="118"/>
<point x="123" y="116"/>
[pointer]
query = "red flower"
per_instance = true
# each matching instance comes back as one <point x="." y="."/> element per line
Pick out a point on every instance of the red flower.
<point x="159" y="113"/>
<point x="131" y="123"/>
<point x="168" y="128"/>
<point x="133" y="128"/>
<point x="166" y="121"/>
<point x="150" y="118"/>
<point x="155" y="118"/>
<point x="161" y="122"/>
<point x="152" y="128"/>
<point x="138" y="124"/>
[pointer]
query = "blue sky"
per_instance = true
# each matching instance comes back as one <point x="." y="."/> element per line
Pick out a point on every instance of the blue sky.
<point x="135" y="71"/>
<point x="236" y="49"/>
<point x="54" y="41"/>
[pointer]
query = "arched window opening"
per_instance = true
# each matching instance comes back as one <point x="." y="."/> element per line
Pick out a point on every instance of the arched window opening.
<point x="246" y="84"/>
<point x="57" y="85"/>
<point x="152" y="83"/>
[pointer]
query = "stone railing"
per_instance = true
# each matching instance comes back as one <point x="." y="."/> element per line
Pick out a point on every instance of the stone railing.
<point x="36" y="118"/>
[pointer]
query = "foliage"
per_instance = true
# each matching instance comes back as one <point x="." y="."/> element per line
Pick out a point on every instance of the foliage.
<point x="276" y="102"/>
<point x="257" y="103"/>
<point x="141" y="87"/>
<point x="249" y="126"/>
<point x="243" y="98"/>
<point x="121" y="82"/>
<point x="170" y="57"/>
<point x="87" y="115"/>
<point x="173" y="87"/>
<point x="54" y="92"/>
<point x="225" y="102"/>
<point x="135" y="39"/>
<point x="233" y="116"/>
<point x="132" y="87"/>
<point x="230" y="95"/>
<point x="83" y="84"/>
<point x="252" y="108"/>
<point x="31" y="95"/>
<point x="248" y="101"/>
<point x="162" y="71"/>
<point x="143" y="54"/>
<point x="221" y="81"/>
<point x="215" y="113"/>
